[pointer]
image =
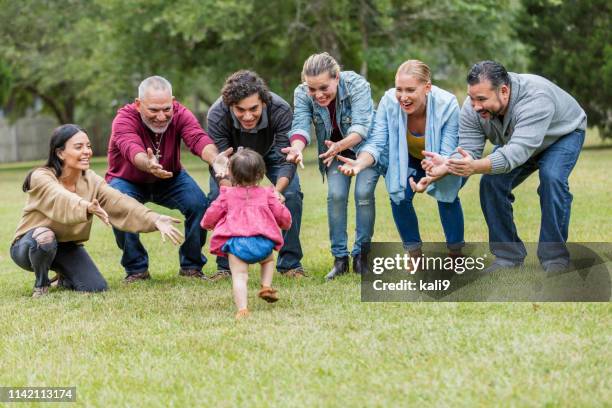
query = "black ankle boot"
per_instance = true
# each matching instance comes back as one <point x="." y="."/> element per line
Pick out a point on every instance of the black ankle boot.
<point x="360" y="264"/>
<point x="341" y="266"/>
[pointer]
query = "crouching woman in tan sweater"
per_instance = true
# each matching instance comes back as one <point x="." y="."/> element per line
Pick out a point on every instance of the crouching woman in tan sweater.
<point x="63" y="197"/>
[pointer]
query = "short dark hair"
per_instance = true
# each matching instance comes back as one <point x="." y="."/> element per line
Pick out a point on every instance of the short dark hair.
<point x="243" y="84"/>
<point x="58" y="141"/>
<point x="247" y="167"/>
<point x="488" y="70"/>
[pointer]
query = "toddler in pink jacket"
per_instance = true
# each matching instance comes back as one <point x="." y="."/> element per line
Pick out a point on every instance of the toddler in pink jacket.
<point x="247" y="219"/>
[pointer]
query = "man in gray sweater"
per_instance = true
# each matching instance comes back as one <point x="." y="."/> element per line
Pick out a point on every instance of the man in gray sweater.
<point x="534" y="125"/>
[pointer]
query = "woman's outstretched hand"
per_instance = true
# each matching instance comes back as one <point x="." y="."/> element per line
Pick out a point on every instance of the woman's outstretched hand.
<point x="166" y="229"/>
<point x="294" y="155"/>
<point x="96" y="209"/>
<point x="421" y="186"/>
<point x="333" y="149"/>
<point x="434" y="164"/>
<point x="350" y="167"/>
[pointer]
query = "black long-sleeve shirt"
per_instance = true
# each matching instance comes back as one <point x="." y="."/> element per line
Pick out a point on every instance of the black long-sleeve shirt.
<point x="269" y="137"/>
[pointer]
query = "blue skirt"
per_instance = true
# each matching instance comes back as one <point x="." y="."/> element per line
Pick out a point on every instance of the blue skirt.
<point x="249" y="249"/>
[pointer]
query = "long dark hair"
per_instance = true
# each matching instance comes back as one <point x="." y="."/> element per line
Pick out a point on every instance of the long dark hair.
<point x="58" y="142"/>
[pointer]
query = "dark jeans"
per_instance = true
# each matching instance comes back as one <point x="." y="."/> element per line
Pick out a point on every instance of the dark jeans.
<point x="290" y="255"/>
<point x="71" y="261"/>
<point x="181" y="193"/>
<point x="407" y="223"/>
<point x="555" y="165"/>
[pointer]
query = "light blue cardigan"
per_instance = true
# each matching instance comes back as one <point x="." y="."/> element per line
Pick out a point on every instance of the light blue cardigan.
<point x="388" y="145"/>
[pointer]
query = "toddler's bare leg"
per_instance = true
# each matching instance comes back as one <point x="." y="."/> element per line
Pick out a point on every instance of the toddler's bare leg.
<point x="267" y="271"/>
<point x="240" y="277"/>
<point x="267" y="293"/>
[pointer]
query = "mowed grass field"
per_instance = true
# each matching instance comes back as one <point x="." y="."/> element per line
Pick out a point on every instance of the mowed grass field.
<point x="173" y="341"/>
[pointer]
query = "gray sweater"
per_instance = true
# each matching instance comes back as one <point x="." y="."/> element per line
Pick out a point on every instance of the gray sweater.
<point x="539" y="113"/>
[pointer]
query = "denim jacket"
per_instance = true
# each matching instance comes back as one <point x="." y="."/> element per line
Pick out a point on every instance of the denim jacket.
<point x="353" y="103"/>
<point x="388" y="145"/>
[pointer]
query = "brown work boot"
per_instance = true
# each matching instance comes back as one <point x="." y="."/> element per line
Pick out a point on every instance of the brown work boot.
<point x="220" y="274"/>
<point x="268" y="294"/>
<point x="192" y="273"/>
<point x="295" y="273"/>
<point x="135" y="277"/>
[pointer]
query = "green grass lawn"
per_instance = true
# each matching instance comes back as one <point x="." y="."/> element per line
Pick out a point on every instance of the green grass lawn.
<point x="172" y="341"/>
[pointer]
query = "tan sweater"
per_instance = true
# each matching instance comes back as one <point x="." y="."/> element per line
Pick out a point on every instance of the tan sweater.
<point x="51" y="205"/>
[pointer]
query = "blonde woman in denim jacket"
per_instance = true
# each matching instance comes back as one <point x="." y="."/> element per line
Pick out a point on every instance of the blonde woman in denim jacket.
<point x="415" y="122"/>
<point x="339" y="105"/>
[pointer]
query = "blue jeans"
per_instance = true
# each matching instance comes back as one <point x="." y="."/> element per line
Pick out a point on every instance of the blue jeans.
<point x="338" y="187"/>
<point x="181" y="193"/>
<point x="555" y="165"/>
<point x="290" y="255"/>
<point x="407" y="223"/>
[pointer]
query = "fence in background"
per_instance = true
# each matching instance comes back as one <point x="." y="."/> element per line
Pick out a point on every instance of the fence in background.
<point x="26" y="139"/>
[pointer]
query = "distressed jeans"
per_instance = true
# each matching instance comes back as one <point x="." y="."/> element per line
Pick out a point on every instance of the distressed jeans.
<point x="77" y="269"/>
<point x="338" y="187"/>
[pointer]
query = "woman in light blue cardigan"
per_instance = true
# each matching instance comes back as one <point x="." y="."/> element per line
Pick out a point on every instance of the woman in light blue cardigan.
<point x="414" y="117"/>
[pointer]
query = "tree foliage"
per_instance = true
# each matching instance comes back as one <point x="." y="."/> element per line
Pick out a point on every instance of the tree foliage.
<point x="85" y="59"/>
<point x="570" y="43"/>
<point x="48" y="50"/>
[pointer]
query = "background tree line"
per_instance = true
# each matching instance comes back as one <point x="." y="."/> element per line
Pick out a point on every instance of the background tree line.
<point x="84" y="59"/>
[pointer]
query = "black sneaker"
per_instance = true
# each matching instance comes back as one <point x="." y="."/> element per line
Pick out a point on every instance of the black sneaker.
<point x="360" y="264"/>
<point x="555" y="268"/>
<point x="341" y="266"/>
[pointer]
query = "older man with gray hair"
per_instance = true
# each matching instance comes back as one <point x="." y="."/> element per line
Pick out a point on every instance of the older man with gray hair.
<point x="144" y="163"/>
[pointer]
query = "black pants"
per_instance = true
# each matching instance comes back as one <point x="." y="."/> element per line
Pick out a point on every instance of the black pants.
<point x="71" y="261"/>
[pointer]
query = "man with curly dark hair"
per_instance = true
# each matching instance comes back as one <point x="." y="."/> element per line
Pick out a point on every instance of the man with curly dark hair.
<point x="248" y="115"/>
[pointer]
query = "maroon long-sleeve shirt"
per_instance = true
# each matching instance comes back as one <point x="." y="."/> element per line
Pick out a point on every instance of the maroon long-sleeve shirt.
<point x="130" y="136"/>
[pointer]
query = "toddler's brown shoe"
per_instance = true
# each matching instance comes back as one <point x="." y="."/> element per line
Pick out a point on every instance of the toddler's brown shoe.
<point x="268" y="294"/>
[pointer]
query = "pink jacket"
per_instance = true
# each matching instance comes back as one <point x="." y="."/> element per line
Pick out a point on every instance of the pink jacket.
<point x="245" y="212"/>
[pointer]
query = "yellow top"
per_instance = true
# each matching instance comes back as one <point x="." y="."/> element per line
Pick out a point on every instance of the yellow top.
<point x="416" y="144"/>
